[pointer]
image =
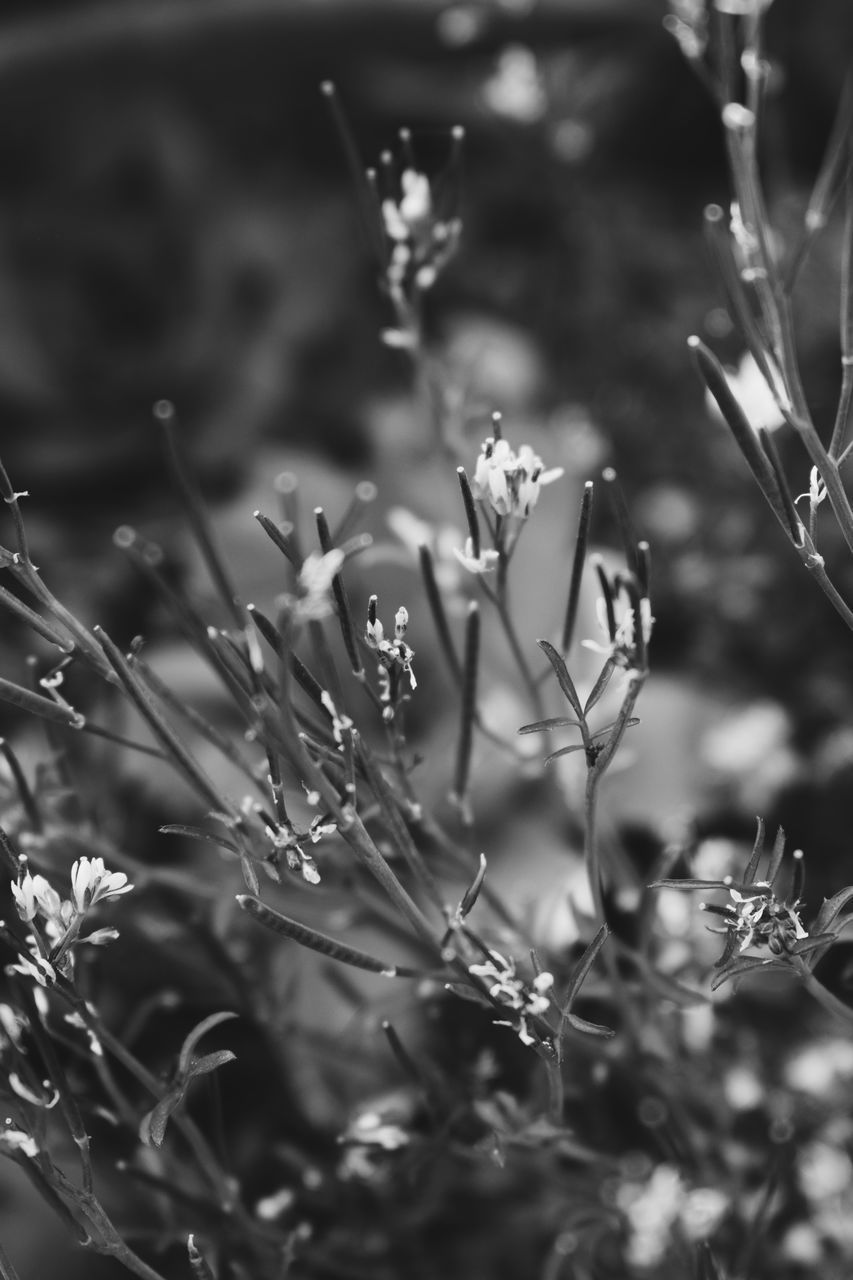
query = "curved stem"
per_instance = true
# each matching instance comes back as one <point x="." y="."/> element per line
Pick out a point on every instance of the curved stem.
<point x="824" y="997"/>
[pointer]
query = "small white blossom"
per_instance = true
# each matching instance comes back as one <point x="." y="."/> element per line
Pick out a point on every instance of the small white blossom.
<point x="515" y="89"/>
<point x="13" y="1140"/>
<point x="285" y="840"/>
<point x="759" y="402"/>
<point x="273" y="1206"/>
<point x="34" y="895"/>
<point x="13" y="1024"/>
<point x="405" y="220"/>
<point x="621" y="649"/>
<point x="341" y="724"/>
<point x="820" y="1067"/>
<point x="315" y="582"/>
<point x="652" y="1209"/>
<point x="23" y="1090"/>
<point x="511" y="991"/>
<point x="392" y="653"/>
<point x="92" y="883"/>
<point x="485" y="562"/>
<point x="369" y="1129"/>
<point x="817" y="490"/>
<point x="510" y="481"/>
<point x="34" y="967"/>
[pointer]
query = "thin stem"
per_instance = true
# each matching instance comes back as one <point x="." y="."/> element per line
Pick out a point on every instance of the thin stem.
<point x="824" y="998"/>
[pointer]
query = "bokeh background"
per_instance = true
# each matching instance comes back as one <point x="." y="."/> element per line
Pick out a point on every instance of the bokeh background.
<point x="177" y="220"/>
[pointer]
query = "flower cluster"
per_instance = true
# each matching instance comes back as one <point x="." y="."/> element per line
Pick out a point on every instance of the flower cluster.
<point x="510" y="481"/>
<point x="421" y="242"/>
<point x="58" y="920"/>
<point x="514" y="993"/>
<point x="621" y="644"/>
<point x="755" y="917"/>
<point x="374" y="1131"/>
<point x="287" y="840"/>
<point x="395" y="655"/>
<point x="311" y="602"/>
<point x="656" y="1208"/>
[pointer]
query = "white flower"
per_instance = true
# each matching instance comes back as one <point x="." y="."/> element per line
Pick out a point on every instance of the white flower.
<point x="702" y="1211"/>
<point x="652" y="1209"/>
<point x="622" y="648"/>
<point x="273" y="1206"/>
<point x="509" y="481"/>
<point x="760" y="404"/>
<point x="13" y="1023"/>
<point x="370" y="1129"/>
<point x="285" y="840"/>
<point x="100" y="937"/>
<point x="315" y="582"/>
<point x="34" y="967"/>
<point x="820" y="1067"/>
<point x="511" y="991"/>
<point x="391" y="652"/>
<point x="24" y="1091"/>
<point x="34" y="895"/>
<point x="484" y="563"/>
<point x="817" y="490"/>
<point x="16" y="1140"/>
<point x="743" y="1088"/>
<point x="823" y="1170"/>
<point x="515" y="89"/>
<point x="404" y="220"/>
<point x="91" y="883"/>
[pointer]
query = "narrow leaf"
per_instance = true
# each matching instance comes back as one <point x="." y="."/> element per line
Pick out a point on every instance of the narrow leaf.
<point x="209" y="1062"/>
<point x="201" y="1029"/>
<point x="545" y="726"/>
<point x="152" y="1126"/>
<point x="564" y="680"/>
<point x="564" y="751"/>
<point x="598" y="689"/>
<point x="577" y="979"/>
<point x="196" y="833"/>
<point x="831" y="908"/>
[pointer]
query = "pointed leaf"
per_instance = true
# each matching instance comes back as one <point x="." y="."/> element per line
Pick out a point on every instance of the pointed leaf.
<point x="468" y="993"/>
<point x="777" y="855"/>
<point x="152" y="1126"/>
<point x="564" y="751"/>
<point x="745" y="964"/>
<point x="545" y="726"/>
<point x="589" y="1028"/>
<point x="197" y="833"/>
<point x="210" y="1062"/>
<point x="598" y="689"/>
<point x="831" y="908"/>
<point x="579" y="974"/>
<point x="201" y="1029"/>
<point x="472" y="893"/>
<point x="564" y="680"/>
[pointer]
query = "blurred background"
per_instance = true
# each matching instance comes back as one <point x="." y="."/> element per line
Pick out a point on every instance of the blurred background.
<point x="177" y="220"/>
